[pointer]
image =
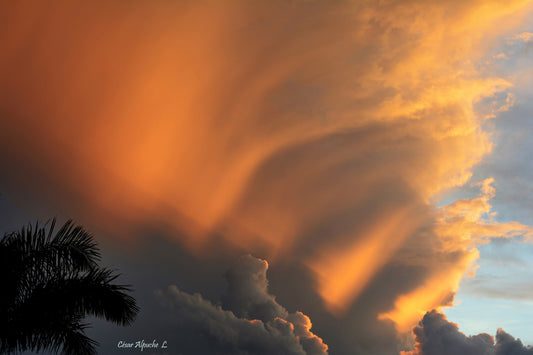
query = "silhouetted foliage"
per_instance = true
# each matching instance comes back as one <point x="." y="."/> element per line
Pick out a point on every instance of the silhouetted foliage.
<point x="50" y="283"/>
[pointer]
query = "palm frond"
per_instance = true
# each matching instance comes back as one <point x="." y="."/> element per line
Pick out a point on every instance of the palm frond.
<point x="76" y="245"/>
<point x="89" y="294"/>
<point x="76" y="342"/>
<point x="59" y="334"/>
<point x="52" y="282"/>
<point x="71" y="247"/>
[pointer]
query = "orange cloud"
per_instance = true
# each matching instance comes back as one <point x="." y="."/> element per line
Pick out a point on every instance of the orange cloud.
<point x="460" y="227"/>
<point x="355" y="265"/>
<point x="321" y="132"/>
<point x="436" y="292"/>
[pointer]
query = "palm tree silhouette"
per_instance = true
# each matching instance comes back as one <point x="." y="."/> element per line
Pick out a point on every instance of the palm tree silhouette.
<point x="50" y="283"/>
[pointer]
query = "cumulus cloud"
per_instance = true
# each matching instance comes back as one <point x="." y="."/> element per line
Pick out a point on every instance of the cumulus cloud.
<point x="247" y="295"/>
<point x="253" y="324"/>
<point x="435" y="335"/>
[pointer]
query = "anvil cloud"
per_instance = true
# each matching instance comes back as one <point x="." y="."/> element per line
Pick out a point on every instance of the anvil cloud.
<point x="319" y="133"/>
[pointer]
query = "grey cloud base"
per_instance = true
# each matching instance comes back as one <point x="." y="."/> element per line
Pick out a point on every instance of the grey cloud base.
<point x="256" y="323"/>
<point x="435" y="335"/>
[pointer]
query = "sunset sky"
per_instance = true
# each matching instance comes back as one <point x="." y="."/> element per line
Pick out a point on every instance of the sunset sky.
<point x="284" y="177"/>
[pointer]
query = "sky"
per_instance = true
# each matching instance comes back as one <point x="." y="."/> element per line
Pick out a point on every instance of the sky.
<point x="284" y="177"/>
<point x="501" y="284"/>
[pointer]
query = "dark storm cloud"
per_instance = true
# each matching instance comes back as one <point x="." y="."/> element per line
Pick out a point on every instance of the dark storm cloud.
<point x="257" y="326"/>
<point x="247" y="294"/>
<point x="436" y="336"/>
